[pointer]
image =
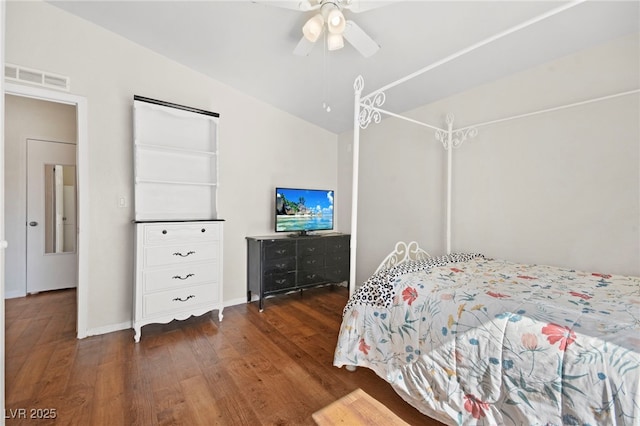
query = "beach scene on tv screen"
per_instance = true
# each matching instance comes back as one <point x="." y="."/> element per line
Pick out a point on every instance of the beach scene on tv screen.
<point x="304" y="210"/>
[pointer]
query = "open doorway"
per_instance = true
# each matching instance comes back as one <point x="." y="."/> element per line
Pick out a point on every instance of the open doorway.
<point x="64" y="107"/>
<point x="40" y="137"/>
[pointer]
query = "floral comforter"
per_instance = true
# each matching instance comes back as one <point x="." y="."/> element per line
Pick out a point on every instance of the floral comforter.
<point x="477" y="341"/>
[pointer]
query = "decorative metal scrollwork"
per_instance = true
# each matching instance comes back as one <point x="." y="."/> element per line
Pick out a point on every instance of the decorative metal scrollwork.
<point x="178" y="299"/>
<point x="358" y="85"/>
<point x="442" y="137"/>
<point x="402" y="253"/>
<point x="369" y="111"/>
<point x="457" y="136"/>
<point x="368" y="106"/>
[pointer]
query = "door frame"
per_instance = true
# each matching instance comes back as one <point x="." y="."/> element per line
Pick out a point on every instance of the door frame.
<point x="82" y="170"/>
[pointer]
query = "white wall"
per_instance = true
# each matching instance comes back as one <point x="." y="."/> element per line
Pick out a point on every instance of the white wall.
<point x="2" y="226"/>
<point x="35" y="119"/>
<point x="561" y="188"/>
<point x="260" y="146"/>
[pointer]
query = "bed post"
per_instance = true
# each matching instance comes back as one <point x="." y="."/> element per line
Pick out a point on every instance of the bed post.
<point x="449" y="178"/>
<point x="357" y="86"/>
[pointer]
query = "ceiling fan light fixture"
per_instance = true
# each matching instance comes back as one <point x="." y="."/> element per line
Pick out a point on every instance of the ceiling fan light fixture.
<point x="313" y="28"/>
<point x="335" y="41"/>
<point x="336" y="21"/>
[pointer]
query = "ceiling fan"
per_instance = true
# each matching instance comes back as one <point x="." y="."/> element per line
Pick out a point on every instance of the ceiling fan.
<point x="329" y="16"/>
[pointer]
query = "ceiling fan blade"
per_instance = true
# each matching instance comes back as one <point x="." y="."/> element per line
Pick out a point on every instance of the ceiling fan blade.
<point x="304" y="47"/>
<point x="299" y="5"/>
<point x="358" y="6"/>
<point x="360" y="40"/>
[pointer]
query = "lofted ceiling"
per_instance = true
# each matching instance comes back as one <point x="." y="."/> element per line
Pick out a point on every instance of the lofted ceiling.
<point x="248" y="45"/>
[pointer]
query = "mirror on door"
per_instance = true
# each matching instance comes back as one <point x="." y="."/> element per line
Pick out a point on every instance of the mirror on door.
<point x="60" y="208"/>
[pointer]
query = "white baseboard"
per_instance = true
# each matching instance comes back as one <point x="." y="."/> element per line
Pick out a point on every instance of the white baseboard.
<point x="14" y="294"/>
<point x="107" y="329"/>
<point x="129" y="324"/>
<point x="239" y="301"/>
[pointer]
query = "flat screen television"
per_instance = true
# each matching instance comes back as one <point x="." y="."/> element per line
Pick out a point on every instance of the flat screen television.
<point x="303" y="210"/>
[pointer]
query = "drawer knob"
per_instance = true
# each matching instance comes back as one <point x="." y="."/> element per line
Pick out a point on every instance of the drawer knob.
<point x="164" y="231"/>
<point x="184" y="255"/>
<point x="178" y="277"/>
<point x="178" y="299"/>
<point x="203" y="230"/>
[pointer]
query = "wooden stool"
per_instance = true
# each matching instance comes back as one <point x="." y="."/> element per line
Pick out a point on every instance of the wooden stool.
<point x="357" y="408"/>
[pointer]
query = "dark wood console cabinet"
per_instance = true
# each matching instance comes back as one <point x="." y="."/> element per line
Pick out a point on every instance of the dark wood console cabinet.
<point x="283" y="263"/>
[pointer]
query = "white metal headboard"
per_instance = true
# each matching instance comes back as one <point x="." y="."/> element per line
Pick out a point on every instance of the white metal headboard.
<point x="403" y="253"/>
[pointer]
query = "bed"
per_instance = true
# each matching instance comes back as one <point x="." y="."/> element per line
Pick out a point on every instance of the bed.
<point x="467" y="339"/>
<point x="472" y="340"/>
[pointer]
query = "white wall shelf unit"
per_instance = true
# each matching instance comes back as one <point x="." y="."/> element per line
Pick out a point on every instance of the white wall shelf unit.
<point x="175" y="161"/>
<point x="178" y="233"/>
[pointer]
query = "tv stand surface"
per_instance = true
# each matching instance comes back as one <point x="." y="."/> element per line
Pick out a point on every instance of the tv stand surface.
<point x="287" y="262"/>
<point x="304" y="234"/>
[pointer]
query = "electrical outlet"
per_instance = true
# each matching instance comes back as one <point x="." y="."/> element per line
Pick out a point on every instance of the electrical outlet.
<point x="122" y="202"/>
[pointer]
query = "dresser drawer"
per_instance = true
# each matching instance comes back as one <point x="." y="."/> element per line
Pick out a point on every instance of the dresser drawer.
<point x="179" y="254"/>
<point x="179" y="299"/>
<point x="279" y="249"/>
<point x="180" y="276"/>
<point x="336" y="244"/>
<point x="177" y="233"/>
<point x="311" y="263"/>
<point x="312" y="246"/>
<point x="284" y="264"/>
<point x="311" y="277"/>
<point x="279" y="281"/>
<point x="338" y="273"/>
<point x="337" y="258"/>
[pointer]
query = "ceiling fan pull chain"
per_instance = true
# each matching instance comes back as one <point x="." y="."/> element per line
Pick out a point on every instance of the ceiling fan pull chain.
<point x="325" y="86"/>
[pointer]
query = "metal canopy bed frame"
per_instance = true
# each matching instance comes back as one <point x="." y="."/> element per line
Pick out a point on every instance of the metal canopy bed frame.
<point x="368" y="108"/>
<point x="455" y="335"/>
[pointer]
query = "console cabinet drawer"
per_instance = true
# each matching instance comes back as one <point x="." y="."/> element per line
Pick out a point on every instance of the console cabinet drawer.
<point x="280" y="281"/>
<point x="283" y="264"/>
<point x="279" y="249"/>
<point x="311" y="263"/>
<point x="312" y="247"/>
<point x="338" y="258"/>
<point x="338" y="244"/>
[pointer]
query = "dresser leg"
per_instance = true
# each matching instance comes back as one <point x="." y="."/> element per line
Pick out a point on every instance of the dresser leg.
<point x="136" y="337"/>
<point x="220" y="316"/>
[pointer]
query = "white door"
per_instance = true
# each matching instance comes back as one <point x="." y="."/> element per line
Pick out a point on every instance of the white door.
<point x="51" y="216"/>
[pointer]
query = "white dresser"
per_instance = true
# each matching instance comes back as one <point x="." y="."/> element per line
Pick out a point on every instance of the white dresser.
<point x="178" y="234"/>
<point x="178" y="271"/>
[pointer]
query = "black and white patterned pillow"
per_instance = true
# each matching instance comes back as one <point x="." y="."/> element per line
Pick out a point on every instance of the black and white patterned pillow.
<point x="379" y="290"/>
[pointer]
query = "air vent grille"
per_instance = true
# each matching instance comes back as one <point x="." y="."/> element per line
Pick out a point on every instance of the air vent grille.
<point x="41" y="78"/>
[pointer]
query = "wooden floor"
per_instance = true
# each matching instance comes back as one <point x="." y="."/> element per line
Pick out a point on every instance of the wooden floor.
<point x="269" y="368"/>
